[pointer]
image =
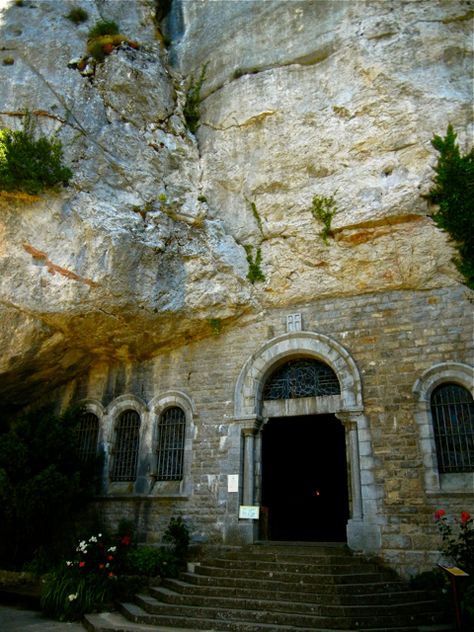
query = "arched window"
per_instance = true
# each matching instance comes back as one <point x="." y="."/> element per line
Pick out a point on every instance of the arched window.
<point x="301" y="378"/>
<point x="127" y="440"/>
<point x="170" y="445"/>
<point x="87" y="434"/>
<point x="452" y="409"/>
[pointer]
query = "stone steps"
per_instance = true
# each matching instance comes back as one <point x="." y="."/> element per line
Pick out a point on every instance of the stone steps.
<point x="283" y="603"/>
<point x="348" y="594"/>
<point x="260" y="589"/>
<point x="265" y="613"/>
<point x="312" y="581"/>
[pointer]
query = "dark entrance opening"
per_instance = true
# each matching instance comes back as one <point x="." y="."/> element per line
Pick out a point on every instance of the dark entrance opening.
<point x="304" y="478"/>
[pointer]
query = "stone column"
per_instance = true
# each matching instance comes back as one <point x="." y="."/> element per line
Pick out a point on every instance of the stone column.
<point x="363" y="528"/>
<point x="243" y="531"/>
<point x="248" y="483"/>
<point x="350" y="426"/>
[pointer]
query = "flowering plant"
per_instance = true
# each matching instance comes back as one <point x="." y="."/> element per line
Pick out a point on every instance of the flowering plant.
<point x="85" y="581"/>
<point x="458" y="543"/>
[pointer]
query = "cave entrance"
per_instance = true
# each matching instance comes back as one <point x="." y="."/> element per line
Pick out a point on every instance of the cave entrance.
<point x="304" y="479"/>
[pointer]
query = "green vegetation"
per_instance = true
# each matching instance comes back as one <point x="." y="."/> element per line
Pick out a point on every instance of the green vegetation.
<point x="43" y="485"/>
<point x="104" y="37"/>
<point x="77" y="15"/>
<point x="8" y="61"/>
<point x="216" y="325"/>
<point x="103" y="27"/>
<point x="255" y="272"/>
<point x="30" y="165"/>
<point x="324" y="209"/>
<point x="458" y="546"/>
<point x="105" y="567"/>
<point x="453" y="192"/>
<point x="177" y="536"/>
<point x="87" y="578"/>
<point x="257" y="217"/>
<point x="192" y="109"/>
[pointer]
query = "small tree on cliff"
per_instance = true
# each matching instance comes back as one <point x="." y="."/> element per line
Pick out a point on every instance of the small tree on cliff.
<point x="453" y="192"/>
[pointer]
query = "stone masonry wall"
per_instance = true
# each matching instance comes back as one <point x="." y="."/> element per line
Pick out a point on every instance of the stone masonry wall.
<point x="393" y="338"/>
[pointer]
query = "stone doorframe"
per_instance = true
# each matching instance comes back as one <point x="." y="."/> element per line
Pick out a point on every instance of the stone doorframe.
<point x="250" y="413"/>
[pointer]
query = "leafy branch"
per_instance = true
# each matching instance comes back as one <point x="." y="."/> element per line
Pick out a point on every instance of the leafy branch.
<point x="324" y="209"/>
<point x="453" y="192"/>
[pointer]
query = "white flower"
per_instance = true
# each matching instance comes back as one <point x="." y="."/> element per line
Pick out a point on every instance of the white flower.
<point x="112" y="549"/>
<point x="92" y="538"/>
<point x="69" y="563"/>
<point x="72" y="596"/>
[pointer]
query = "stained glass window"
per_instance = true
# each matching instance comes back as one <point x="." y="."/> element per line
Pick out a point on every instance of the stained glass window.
<point x="301" y="378"/>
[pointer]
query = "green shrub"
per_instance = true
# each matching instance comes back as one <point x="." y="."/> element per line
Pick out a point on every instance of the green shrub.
<point x="255" y="271"/>
<point x="44" y="486"/>
<point x="68" y="596"/>
<point x="103" y="27"/>
<point x="88" y="579"/>
<point x="324" y="209"/>
<point x="96" y="50"/>
<point x="152" y="562"/>
<point x="457" y="539"/>
<point x="216" y="325"/>
<point x="77" y="15"/>
<point x="177" y="535"/>
<point x="192" y="105"/>
<point x="28" y="164"/>
<point x="458" y="545"/>
<point x="453" y="192"/>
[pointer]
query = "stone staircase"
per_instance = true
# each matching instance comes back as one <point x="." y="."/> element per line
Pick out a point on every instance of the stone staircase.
<point x="278" y="588"/>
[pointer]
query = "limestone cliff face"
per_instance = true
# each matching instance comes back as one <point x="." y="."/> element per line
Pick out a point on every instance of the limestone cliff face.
<point x="146" y="247"/>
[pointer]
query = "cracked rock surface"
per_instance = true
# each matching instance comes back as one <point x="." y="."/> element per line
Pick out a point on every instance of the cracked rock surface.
<point x="147" y="244"/>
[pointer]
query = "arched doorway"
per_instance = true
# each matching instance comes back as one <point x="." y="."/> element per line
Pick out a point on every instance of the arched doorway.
<point x="304" y="469"/>
<point x="253" y="411"/>
<point x="304" y="478"/>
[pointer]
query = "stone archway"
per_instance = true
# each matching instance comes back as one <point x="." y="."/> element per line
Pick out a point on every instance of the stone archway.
<point x="250" y="410"/>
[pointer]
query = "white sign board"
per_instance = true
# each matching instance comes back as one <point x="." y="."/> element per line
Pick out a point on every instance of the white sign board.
<point x="232" y="482"/>
<point x="249" y="512"/>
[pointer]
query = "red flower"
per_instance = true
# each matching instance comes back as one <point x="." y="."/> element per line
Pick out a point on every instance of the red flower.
<point x="126" y="540"/>
<point x="465" y="516"/>
<point x="101" y="566"/>
<point x="111" y="574"/>
<point x="439" y="513"/>
<point x="82" y="564"/>
<point x="110" y="557"/>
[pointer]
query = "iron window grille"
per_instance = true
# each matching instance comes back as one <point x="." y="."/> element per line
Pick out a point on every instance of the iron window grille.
<point x="452" y="408"/>
<point x="127" y="441"/>
<point x="87" y="436"/>
<point x="301" y="378"/>
<point x="170" y="448"/>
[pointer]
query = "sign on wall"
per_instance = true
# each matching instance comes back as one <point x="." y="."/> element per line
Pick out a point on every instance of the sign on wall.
<point x="232" y="482"/>
<point x="249" y="511"/>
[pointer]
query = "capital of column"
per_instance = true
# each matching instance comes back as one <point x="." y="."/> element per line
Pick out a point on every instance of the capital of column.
<point x="347" y="419"/>
<point x="249" y="424"/>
